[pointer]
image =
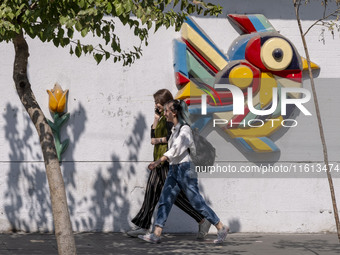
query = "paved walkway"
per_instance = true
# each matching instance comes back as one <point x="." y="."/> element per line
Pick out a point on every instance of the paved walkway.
<point x="118" y="243"/>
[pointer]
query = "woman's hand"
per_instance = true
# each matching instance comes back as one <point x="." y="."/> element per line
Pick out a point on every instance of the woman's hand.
<point x="154" y="164"/>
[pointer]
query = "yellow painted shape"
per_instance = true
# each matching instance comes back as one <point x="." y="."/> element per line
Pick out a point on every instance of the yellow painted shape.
<point x="268" y="82"/>
<point x="62" y="103"/>
<point x="267" y="57"/>
<point x="189" y="90"/>
<point x="57" y="98"/>
<point x="257" y="144"/>
<point x="52" y="102"/>
<point x="241" y="76"/>
<point x="287" y="83"/>
<point x="305" y="64"/>
<point x="203" y="47"/>
<point x="267" y="129"/>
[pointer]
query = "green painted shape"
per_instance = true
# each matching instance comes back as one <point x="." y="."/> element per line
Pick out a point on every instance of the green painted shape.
<point x="198" y="71"/>
<point x="265" y="22"/>
<point x="206" y="91"/>
<point x="56" y="127"/>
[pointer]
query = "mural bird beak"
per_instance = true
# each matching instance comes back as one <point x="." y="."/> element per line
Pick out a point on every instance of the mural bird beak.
<point x="305" y="64"/>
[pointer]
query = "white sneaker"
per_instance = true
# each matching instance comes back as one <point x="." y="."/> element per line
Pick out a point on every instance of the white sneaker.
<point x="137" y="231"/>
<point x="222" y="235"/>
<point x="203" y="229"/>
<point x="150" y="238"/>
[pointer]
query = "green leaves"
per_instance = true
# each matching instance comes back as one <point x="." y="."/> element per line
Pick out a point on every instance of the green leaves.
<point x="119" y="8"/>
<point x="78" y="50"/>
<point x="98" y="57"/>
<point x="57" y="21"/>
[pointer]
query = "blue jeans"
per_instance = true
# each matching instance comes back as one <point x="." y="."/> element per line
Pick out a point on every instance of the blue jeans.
<point x="181" y="177"/>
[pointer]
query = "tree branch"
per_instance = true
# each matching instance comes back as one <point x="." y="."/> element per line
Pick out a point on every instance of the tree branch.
<point x="333" y="13"/>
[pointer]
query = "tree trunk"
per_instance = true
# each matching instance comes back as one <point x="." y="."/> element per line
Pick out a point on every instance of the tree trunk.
<point x="61" y="216"/>
<point x="322" y="136"/>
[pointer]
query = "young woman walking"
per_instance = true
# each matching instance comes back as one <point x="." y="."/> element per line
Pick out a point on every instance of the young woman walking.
<point x="160" y="133"/>
<point x="181" y="176"/>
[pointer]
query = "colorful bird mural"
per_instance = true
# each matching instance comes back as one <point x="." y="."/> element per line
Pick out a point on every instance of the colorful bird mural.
<point x="261" y="59"/>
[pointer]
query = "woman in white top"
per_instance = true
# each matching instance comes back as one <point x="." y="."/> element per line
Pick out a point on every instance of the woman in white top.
<point x="180" y="176"/>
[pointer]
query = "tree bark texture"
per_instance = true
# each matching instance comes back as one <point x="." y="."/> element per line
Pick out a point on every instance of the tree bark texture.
<point x="61" y="216"/>
<point x="317" y="110"/>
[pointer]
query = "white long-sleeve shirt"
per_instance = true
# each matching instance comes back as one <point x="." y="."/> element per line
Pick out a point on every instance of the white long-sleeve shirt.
<point x="180" y="140"/>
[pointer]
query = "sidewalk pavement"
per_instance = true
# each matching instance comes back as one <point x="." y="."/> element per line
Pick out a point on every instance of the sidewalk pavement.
<point x="119" y="243"/>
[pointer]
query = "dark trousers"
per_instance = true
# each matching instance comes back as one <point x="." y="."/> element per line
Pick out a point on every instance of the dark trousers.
<point x="153" y="191"/>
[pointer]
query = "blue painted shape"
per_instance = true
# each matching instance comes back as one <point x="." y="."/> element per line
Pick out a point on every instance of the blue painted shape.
<point x="180" y="61"/>
<point x="194" y="26"/>
<point x="244" y="144"/>
<point x="270" y="143"/>
<point x="256" y="23"/>
<point x="238" y="48"/>
<point x="201" y="123"/>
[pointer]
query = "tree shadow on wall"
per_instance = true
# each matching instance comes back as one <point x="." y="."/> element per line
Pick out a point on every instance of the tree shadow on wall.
<point x="109" y="201"/>
<point x="76" y="124"/>
<point x="26" y="181"/>
<point x="28" y="206"/>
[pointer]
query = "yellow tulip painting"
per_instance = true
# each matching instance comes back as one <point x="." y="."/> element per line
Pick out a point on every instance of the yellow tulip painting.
<point x="57" y="99"/>
<point x="57" y="105"/>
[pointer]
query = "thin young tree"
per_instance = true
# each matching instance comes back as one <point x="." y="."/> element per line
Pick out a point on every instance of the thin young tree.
<point x="64" y="23"/>
<point x="331" y="25"/>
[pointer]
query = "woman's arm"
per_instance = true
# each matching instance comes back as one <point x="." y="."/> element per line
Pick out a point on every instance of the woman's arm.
<point x="159" y="140"/>
<point x="163" y="140"/>
<point x="181" y="143"/>
<point x="156" y="163"/>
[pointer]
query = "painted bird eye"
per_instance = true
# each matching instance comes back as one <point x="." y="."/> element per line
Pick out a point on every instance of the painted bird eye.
<point x="276" y="54"/>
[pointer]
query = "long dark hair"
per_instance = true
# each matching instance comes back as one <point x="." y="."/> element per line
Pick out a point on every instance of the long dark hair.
<point x="180" y="108"/>
<point x="162" y="96"/>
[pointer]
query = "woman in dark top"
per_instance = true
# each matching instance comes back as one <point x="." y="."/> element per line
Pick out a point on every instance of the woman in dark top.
<point x="160" y="133"/>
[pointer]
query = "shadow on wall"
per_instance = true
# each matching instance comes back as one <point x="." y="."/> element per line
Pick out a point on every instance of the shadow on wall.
<point x="26" y="182"/>
<point x="77" y="126"/>
<point x="107" y="203"/>
<point x="109" y="199"/>
<point x="28" y="206"/>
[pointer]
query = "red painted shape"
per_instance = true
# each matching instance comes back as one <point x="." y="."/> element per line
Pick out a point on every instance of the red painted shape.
<point x="200" y="56"/>
<point x="243" y="22"/>
<point x="223" y="102"/>
<point x="214" y="93"/>
<point x="181" y="79"/>
<point x="294" y="75"/>
<point x="253" y="53"/>
<point x="190" y="101"/>
<point x="238" y="119"/>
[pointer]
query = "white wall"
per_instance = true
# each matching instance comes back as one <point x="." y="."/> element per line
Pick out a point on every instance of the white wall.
<point x="111" y="111"/>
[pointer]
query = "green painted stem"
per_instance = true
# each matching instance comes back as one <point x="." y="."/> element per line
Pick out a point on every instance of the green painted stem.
<point x="59" y="120"/>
